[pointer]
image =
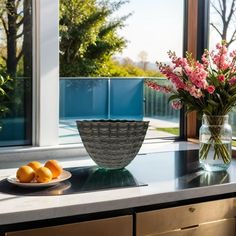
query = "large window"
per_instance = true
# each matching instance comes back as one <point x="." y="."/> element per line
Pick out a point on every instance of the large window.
<point x="15" y="72"/>
<point x="121" y="42"/>
<point x="116" y="42"/>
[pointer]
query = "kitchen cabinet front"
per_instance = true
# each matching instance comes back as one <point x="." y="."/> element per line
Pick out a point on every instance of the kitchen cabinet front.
<point x="207" y="218"/>
<point x="116" y="226"/>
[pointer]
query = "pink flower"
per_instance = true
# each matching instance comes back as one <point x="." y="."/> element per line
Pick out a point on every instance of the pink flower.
<point x="194" y="92"/>
<point x="221" y="78"/>
<point x="205" y="59"/>
<point x="218" y="46"/>
<point x="180" y="62"/>
<point x="164" y="89"/>
<point x="198" y="76"/>
<point x="220" y="57"/>
<point x="198" y="93"/>
<point x="177" y="104"/>
<point x="170" y="74"/>
<point x="188" y="70"/>
<point x="193" y="82"/>
<point x="233" y="54"/>
<point x="210" y="89"/>
<point x="232" y="81"/>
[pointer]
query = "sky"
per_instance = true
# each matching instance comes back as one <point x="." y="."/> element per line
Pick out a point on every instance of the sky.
<point x="155" y="26"/>
<point x="214" y="37"/>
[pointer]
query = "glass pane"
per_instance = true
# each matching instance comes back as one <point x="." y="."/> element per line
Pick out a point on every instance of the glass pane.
<point x="149" y="39"/>
<point x="222" y="22"/>
<point x="94" y="98"/>
<point x="16" y="70"/>
<point x="121" y="43"/>
<point x="164" y="119"/>
<point x="83" y="98"/>
<point x="223" y="27"/>
<point x="126" y="99"/>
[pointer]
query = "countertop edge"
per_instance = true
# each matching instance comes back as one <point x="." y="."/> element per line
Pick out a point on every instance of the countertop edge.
<point x="116" y="204"/>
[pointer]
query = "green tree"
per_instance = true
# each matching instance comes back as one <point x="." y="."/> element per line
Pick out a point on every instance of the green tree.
<point x="4" y="85"/>
<point x="16" y="56"/>
<point x="15" y="30"/>
<point x="127" y="68"/>
<point x="88" y="36"/>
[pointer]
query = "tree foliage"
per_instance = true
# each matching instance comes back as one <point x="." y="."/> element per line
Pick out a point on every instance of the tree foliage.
<point x="4" y="97"/>
<point x="15" y="56"/>
<point x="15" y="21"/>
<point x="127" y="68"/>
<point x="88" y="36"/>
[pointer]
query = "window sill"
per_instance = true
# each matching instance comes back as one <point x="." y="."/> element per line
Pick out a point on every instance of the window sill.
<point x="197" y="142"/>
<point x="42" y="153"/>
<point x="73" y="151"/>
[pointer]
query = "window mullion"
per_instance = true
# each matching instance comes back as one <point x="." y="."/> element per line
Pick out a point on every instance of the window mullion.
<point x="46" y="88"/>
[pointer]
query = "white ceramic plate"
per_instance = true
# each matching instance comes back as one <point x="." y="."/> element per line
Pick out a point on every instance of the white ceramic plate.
<point x="64" y="176"/>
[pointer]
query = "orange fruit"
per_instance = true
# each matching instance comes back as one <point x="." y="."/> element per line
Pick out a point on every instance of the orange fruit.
<point x="55" y="168"/>
<point x="25" y="174"/>
<point x="34" y="165"/>
<point x="43" y="175"/>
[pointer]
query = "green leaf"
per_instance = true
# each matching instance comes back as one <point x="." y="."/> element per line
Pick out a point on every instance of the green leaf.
<point x="173" y="97"/>
<point x="2" y="91"/>
<point x="219" y="98"/>
<point x="232" y="90"/>
<point x="232" y="99"/>
<point x="213" y="102"/>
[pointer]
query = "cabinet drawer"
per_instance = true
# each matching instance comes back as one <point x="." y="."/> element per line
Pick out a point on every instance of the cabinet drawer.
<point x="218" y="228"/>
<point x="117" y="226"/>
<point x="158" y="221"/>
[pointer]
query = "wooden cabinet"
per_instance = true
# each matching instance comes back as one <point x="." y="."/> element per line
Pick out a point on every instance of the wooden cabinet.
<point x="215" y="217"/>
<point x="117" y="226"/>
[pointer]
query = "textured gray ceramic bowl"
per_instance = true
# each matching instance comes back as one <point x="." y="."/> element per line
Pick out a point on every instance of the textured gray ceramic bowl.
<point x="112" y="144"/>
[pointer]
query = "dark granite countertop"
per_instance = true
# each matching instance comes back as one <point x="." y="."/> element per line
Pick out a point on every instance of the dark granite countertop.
<point x="156" y="178"/>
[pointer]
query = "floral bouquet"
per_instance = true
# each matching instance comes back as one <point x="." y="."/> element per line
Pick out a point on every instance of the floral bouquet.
<point x="207" y="87"/>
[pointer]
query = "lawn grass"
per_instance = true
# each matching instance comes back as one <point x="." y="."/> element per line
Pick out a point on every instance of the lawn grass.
<point x="174" y="131"/>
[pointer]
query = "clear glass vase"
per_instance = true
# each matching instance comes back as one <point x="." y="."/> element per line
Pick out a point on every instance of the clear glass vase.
<point x="215" y="138"/>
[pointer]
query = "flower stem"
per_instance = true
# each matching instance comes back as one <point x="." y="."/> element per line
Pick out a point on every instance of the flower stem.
<point x="218" y="148"/>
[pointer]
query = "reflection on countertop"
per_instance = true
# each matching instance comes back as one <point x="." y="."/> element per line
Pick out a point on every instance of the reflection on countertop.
<point x="175" y="170"/>
<point x="84" y="179"/>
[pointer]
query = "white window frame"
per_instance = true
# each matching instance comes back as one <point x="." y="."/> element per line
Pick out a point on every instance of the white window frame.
<point x="45" y="80"/>
<point x="46" y="73"/>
